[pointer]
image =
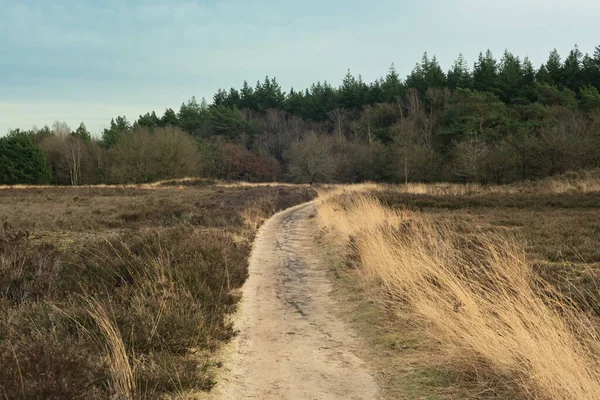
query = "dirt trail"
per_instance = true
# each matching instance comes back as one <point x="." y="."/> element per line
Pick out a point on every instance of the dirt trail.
<point x="291" y="345"/>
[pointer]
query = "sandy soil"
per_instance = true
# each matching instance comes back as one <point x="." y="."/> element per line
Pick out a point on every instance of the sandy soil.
<point x="291" y="345"/>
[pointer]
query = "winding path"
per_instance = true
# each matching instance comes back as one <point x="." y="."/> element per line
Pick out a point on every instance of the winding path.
<point x="291" y="344"/>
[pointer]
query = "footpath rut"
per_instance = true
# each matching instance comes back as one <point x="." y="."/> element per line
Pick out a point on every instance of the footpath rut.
<point x="291" y="345"/>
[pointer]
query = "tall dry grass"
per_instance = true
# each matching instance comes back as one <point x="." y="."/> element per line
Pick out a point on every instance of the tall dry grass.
<point x="475" y="295"/>
<point x="122" y="372"/>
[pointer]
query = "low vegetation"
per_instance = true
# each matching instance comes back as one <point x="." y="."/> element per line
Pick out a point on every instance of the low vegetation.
<point x="496" y="285"/>
<point x="122" y="292"/>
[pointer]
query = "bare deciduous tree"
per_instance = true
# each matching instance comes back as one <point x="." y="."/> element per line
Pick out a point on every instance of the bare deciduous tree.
<point x="147" y="157"/>
<point x="469" y="158"/>
<point x="311" y="159"/>
<point x="338" y="119"/>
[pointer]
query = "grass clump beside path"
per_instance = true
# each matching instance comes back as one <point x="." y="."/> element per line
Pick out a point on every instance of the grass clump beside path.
<point x="496" y="298"/>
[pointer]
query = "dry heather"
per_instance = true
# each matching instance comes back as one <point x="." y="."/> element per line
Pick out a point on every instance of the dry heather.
<point x="472" y="288"/>
<point x="122" y="292"/>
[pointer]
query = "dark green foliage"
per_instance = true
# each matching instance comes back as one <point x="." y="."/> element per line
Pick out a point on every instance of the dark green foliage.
<point x="192" y="116"/>
<point x="427" y="74"/>
<point x="573" y="70"/>
<point x="82" y="133"/>
<point x="169" y="118"/>
<point x="590" y="98"/>
<point x="118" y="128"/>
<point x="485" y="73"/>
<point x="471" y="112"/>
<point x="21" y="161"/>
<point x="227" y="122"/>
<point x="460" y="76"/>
<point x="148" y="120"/>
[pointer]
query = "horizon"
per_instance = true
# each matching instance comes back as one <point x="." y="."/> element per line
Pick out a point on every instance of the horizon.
<point x="93" y="61"/>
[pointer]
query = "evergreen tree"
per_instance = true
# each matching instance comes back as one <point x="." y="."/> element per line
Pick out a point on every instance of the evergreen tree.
<point x="459" y="76"/>
<point x="375" y="92"/>
<point x="37" y="136"/>
<point x="590" y="71"/>
<point x="391" y="86"/>
<point x="118" y="127"/>
<point x="296" y="104"/>
<point x="511" y="77"/>
<point x="555" y="69"/>
<point x="349" y="92"/>
<point x="542" y="75"/>
<point x="485" y="73"/>
<point x="268" y="95"/>
<point x="417" y="79"/>
<point x="321" y="99"/>
<point x="247" y="99"/>
<point x="227" y="122"/>
<point x="191" y="117"/>
<point x="233" y="99"/>
<point x="590" y="98"/>
<point x="573" y="73"/>
<point x="148" y="120"/>
<point x="169" y="118"/>
<point x="527" y="92"/>
<point x="219" y="98"/>
<point x="21" y="161"/>
<point x="553" y="96"/>
<point x="434" y="76"/>
<point x="82" y="133"/>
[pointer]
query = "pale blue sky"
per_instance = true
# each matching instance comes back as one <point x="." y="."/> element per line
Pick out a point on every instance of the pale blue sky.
<point x="91" y="60"/>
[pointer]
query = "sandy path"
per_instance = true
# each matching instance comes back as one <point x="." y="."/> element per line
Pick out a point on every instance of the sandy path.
<point x="291" y="345"/>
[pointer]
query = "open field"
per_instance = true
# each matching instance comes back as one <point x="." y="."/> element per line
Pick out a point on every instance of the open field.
<point x="122" y="292"/>
<point x="457" y="291"/>
<point x="473" y="292"/>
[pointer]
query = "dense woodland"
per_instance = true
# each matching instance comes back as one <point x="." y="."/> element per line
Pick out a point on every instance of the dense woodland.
<point x="498" y="121"/>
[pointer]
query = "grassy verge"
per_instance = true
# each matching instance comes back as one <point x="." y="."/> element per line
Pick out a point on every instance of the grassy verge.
<point x="392" y="346"/>
<point x="447" y="287"/>
<point x="109" y="292"/>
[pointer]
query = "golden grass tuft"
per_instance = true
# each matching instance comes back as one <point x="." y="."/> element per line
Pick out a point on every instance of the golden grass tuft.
<point x="475" y="295"/>
<point x="122" y="373"/>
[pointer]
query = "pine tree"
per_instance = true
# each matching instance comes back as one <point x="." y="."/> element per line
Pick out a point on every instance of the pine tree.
<point x="247" y="98"/>
<point x="22" y="162"/>
<point x="459" y="76"/>
<point x="233" y="99"/>
<point x="148" y="120"/>
<point x="590" y="98"/>
<point x="416" y="78"/>
<point x="219" y="98"/>
<point x="391" y="87"/>
<point x="169" y="118"/>
<point x="510" y="77"/>
<point x="485" y="73"/>
<point x="434" y="76"/>
<point x="555" y="69"/>
<point x="112" y="135"/>
<point x="191" y="117"/>
<point x="349" y="92"/>
<point x="82" y="133"/>
<point x="269" y="95"/>
<point x="527" y="92"/>
<point x="573" y="72"/>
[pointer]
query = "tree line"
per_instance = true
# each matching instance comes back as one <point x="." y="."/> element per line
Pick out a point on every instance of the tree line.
<point x="498" y="121"/>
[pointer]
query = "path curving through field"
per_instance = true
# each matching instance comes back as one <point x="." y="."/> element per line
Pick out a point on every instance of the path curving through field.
<point x="291" y="345"/>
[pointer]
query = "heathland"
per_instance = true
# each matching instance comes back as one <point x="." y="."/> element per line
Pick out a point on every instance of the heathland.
<point x="123" y="292"/>
<point x="471" y="291"/>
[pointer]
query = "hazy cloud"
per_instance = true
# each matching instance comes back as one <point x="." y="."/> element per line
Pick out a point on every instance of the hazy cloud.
<point x="84" y="54"/>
